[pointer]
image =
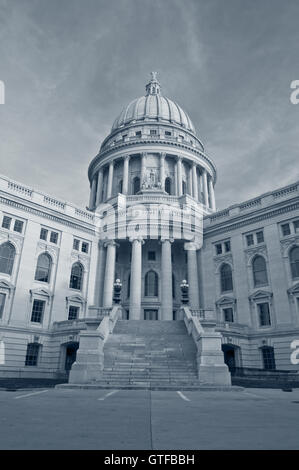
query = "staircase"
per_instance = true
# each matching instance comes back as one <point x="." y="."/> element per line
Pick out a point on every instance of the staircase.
<point x="150" y="355"/>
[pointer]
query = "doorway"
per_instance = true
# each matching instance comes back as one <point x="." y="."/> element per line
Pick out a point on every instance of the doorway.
<point x="150" y="314"/>
<point x="70" y="355"/>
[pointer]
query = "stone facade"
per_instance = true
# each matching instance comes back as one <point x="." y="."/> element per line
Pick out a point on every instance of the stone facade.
<point x="60" y="262"/>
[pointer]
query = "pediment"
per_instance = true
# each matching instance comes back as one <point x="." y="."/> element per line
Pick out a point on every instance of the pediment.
<point x="294" y="289"/>
<point x="41" y="291"/>
<point x="225" y="300"/>
<point x="260" y="294"/>
<point x="75" y="298"/>
<point x="6" y="285"/>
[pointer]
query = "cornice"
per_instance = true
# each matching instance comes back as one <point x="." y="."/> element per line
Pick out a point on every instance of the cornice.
<point x="251" y="218"/>
<point x="48" y="215"/>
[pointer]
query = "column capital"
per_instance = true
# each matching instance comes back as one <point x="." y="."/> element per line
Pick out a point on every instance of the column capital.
<point x="127" y="157"/>
<point x="162" y="155"/>
<point x="108" y="242"/>
<point x="170" y="240"/>
<point x="191" y="246"/>
<point x="137" y="238"/>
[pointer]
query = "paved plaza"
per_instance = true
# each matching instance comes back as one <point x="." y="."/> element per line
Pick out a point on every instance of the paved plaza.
<point x="150" y="420"/>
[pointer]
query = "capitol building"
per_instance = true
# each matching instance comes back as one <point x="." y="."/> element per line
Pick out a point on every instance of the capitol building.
<point x="150" y="274"/>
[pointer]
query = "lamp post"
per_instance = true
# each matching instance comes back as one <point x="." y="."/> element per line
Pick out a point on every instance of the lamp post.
<point x="184" y="289"/>
<point x="117" y="291"/>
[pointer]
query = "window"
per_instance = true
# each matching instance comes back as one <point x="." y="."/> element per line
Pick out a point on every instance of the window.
<point x="259" y="237"/>
<point x="6" y="222"/>
<point x="249" y="239"/>
<point x="124" y="136"/>
<point x="294" y="261"/>
<point x="182" y="137"/>
<point x="136" y="185"/>
<point x="32" y="354"/>
<point x="268" y="358"/>
<point x="138" y="134"/>
<point x="18" y="226"/>
<point x="73" y="312"/>
<point x="227" y="246"/>
<point x="153" y="132"/>
<point x="2" y="303"/>
<point x="228" y="315"/>
<point x="151" y="256"/>
<point x="260" y="277"/>
<point x="151" y="284"/>
<point x="37" y="311"/>
<point x="184" y="187"/>
<point x="296" y="226"/>
<point x="54" y="237"/>
<point x="168" y="133"/>
<point x="7" y="257"/>
<point x="226" y="278"/>
<point x="76" y="244"/>
<point x="264" y="314"/>
<point x="168" y="185"/>
<point x="76" y="276"/>
<point x="120" y="186"/>
<point x="218" y="248"/>
<point x="43" y="268"/>
<point x="84" y="247"/>
<point x="43" y="234"/>
<point x="285" y="228"/>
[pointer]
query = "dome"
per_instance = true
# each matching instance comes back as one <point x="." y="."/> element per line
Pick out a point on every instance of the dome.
<point x="153" y="107"/>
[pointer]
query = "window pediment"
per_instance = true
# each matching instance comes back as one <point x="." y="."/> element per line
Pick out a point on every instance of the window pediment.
<point x="6" y="285"/>
<point x="294" y="289"/>
<point x="225" y="300"/>
<point x="41" y="292"/>
<point x="260" y="295"/>
<point x="75" y="298"/>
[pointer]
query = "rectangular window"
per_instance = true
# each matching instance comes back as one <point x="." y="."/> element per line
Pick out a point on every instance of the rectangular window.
<point x="264" y="314"/>
<point x="18" y="226"/>
<point x="138" y="134"/>
<point x="285" y="228"/>
<point x="153" y="132"/>
<point x="168" y="133"/>
<point x="228" y="315"/>
<point x="6" y="222"/>
<point x="124" y="136"/>
<point x="76" y="244"/>
<point x="227" y="246"/>
<point x="296" y="226"/>
<point x="218" y="249"/>
<point x="259" y="237"/>
<point x="54" y="237"/>
<point x="151" y="256"/>
<point x="73" y="312"/>
<point x="43" y="234"/>
<point x="37" y="311"/>
<point x="249" y="239"/>
<point x="32" y="354"/>
<point x="84" y="247"/>
<point x="2" y="303"/>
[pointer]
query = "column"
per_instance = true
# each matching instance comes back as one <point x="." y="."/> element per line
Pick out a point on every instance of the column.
<point x="180" y="180"/>
<point x="192" y="274"/>
<point x="100" y="272"/>
<point x="110" y="180"/>
<point x="205" y="187"/>
<point x="212" y="195"/>
<point x="135" y="282"/>
<point x="162" y="170"/>
<point x="126" y="174"/>
<point x="166" y="280"/>
<point x="143" y="168"/>
<point x="109" y="274"/>
<point x="190" y="185"/>
<point x="92" y="193"/>
<point x="194" y="182"/>
<point x="99" y="187"/>
<point x="175" y="179"/>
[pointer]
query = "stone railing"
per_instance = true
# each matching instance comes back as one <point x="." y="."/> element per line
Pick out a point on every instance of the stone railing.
<point x="20" y="189"/>
<point x="98" y="312"/>
<point x="69" y="325"/>
<point x="203" y="314"/>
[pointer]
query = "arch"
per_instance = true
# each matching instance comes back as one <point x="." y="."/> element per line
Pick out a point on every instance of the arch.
<point x="136" y="185"/>
<point x="294" y="261"/>
<point x="268" y="357"/>
<point x="76" y="276"/>
<point x="43" y="268"/>
<point x="7" y="257"/>
<point x="232" y="356"/>
<point x="168" y="185"/>
<point x="226" y="278"/>
<point x="259" y="270"/>
<point x="151" y="284"/>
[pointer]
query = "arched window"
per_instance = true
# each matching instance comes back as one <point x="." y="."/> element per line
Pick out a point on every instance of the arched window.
<point x="259" y="269"/>
<point x="120" y="186"/>
<point x="168" y="185"/>
<point x="184" y="187"/>
<point x="268" y="357"/>
<point x="151" y="284"/>
<point x="129" y="286"/>
<point x="294" y="261"/>
<point x="43" y="268"/>
<point x="76" y="276"/>
<point x="7" y="256"/>
<point x="226" y="278"/>
<point x="136" y="185"/>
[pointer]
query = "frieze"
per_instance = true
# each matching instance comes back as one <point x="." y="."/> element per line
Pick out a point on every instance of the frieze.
<point x="287" y="243"/>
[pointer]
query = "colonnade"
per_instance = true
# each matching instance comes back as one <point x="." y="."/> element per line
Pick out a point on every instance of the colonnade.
<point x="166" y="298"/>
<point x="200" y="185"/>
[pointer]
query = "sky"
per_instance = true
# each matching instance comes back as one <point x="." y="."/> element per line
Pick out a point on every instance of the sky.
<point x="70" y="66"/>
